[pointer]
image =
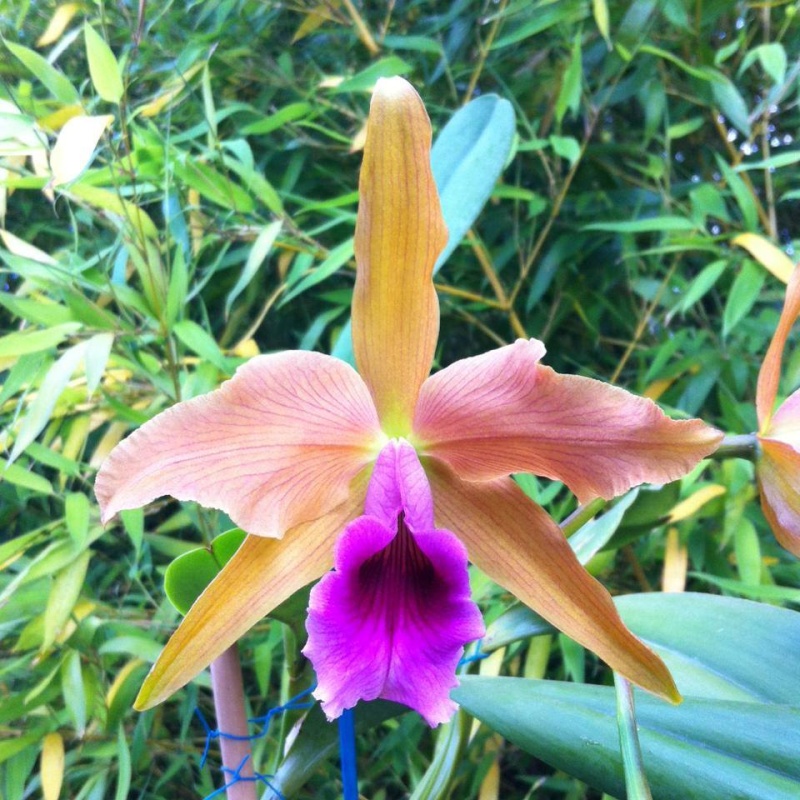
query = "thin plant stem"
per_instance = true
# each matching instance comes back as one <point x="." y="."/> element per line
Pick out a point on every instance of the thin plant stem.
<point x="484" y="51"/>
<point x="636" y="787"/>
<point x="741" y="445"/>
<point x="228" y="689"/>
<point x="347" y="754"/>
<point x="581" y="515"/>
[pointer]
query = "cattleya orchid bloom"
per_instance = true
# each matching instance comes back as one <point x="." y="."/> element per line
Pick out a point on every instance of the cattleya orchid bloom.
<point x="362" y="471"/>
<point x="778" y="465"/>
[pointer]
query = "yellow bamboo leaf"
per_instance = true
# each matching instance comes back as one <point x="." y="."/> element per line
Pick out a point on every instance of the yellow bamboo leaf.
<point x="62" y="16"/>
<point x="692" y="504"/>
<point x="111" y="438"/>
<point x="246" y="349"/>
<point x="133" y="217"/>
<point x="767" y="254"/>
<point x="657" y="388"/>
<point x="600" y="11"/>
<point x="60" y="117"/>
<point x="79" y="430"/>
<point x="171" y="91"/>
<point x="314" y="18"/>
<point x="21" y="248"/>
<point x="52" y="766"/>
<point x="75" y="146"/>
<point x="676" y="563"/>
<point x="120" y="679"/>
<point x="357" y="144"/>
<point x="490" y="787"/>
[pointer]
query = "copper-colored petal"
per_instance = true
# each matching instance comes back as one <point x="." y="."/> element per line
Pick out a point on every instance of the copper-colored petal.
<point x="517" y="544"/>
<point x="275" y="446"/>
<point x="770" y="373"/>
<point x="399" y="234"/>
<point x="503" y="412"/>
<point x="260" y="576"/>
<point x="778" y="473"/>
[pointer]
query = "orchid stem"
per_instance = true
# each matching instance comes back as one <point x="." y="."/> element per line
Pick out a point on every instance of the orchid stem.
<point x="636" y="787"/>
<point x="581" y="515"/>
<point x="734" y="445"/>
<point x="347" y="754"/>
<point x="228" y="689"/>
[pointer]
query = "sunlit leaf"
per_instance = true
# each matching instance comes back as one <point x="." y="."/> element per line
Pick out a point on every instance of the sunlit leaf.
<point x="75" y="146"/>
<point x="103" y="67"/>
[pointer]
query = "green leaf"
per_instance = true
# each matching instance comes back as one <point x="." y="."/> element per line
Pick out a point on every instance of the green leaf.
<point x="189" y="574"/>
<point x="467" y="158"/>
<point x="367" y="78"/>
<point x="56" y="82"/>
<point x="337" y="257"/>
<point x="569" y="96"/>
<point x="199" y="341"/>
<point x="18" y="476"/>
<point x="123" y="766"/>
<point x="543" y="15"/>
<point x="73" y="690"/>
<point x="731" y="104"/>
<point x="772" y="57"/>
<point x="743" y="295"/>
<point x="744" y="197"/>
<point x="699" y="750"/>
<point x="566" y="147"/>
<point x="95" y="357"/>
<point x="63" y="595"/>
<point x="773" y="162"/>
<point x="76" y="514"/>
<point x="287" y="114"/>
<point x="594" y="535"/>
<point x="648" y="225"/>
<point x="19" y="344"/>
<point x="703" y="283"/>
<point x="41" y="409"/>
<point x="212" y="185"/>
<point x="103" y="67"/>
<point x="258" y="253"/>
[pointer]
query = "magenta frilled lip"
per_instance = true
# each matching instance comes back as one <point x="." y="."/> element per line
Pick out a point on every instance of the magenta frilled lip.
<point x="392" y="619"/>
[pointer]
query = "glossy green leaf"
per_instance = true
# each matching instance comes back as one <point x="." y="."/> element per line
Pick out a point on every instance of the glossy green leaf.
<point x="700" y="750"/>
<point x="716" y="647"/>
<point x="189" y="574"/>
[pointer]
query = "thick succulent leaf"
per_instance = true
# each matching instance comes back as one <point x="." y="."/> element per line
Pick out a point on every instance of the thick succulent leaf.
<point x="700" y="750"/>
<point x="721" y="648"/>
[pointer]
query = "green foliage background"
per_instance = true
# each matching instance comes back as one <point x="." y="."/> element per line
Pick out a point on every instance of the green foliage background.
<point x="213" y="223"/>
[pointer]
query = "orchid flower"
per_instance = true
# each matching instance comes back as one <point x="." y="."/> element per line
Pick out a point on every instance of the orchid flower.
<point x="778" y="465"/>
<point x="394" y="478"/>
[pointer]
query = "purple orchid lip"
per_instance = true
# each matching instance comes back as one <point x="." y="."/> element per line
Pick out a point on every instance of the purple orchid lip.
<point x="392" y="619"/>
